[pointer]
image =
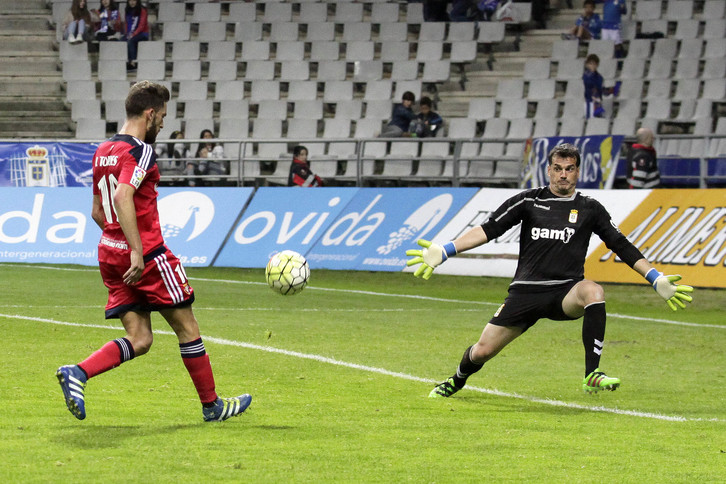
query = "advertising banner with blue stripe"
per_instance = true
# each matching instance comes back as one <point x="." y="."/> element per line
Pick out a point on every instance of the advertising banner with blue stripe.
<point x="282" y="218"/>
<point x="196" y="221"/>
<point x="46" y="164"/>
<point x="380" y="224"/>
<point x="55" y="226"/>
<point x="599" y="156"/>
<point x="48" y="225"/>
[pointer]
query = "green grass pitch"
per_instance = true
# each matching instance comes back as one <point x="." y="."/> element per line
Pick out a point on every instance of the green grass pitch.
<point x="340" y="376"/>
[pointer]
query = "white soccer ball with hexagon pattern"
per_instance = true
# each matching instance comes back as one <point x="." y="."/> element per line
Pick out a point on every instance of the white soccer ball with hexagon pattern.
<point x="287" y="272"/>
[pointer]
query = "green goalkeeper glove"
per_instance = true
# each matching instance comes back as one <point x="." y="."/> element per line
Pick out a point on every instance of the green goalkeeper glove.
<point x="429" y="257"/>
<point x="665" y="286"/>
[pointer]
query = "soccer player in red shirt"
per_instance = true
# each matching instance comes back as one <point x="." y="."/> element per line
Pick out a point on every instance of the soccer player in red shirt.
<point x="142" y="275"/>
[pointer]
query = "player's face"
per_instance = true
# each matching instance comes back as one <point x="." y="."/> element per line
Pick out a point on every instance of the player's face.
<point x="563" y="174"/>
<point x="154" y="124"/>
<point x="303" y="155"/>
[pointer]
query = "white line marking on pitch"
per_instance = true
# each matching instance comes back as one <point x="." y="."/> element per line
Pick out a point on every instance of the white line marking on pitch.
<point x="383" y="294"/>
<point x="383" y="371"/>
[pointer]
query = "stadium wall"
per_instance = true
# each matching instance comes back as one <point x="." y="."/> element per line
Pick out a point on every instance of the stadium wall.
<point x="681" y="231"/>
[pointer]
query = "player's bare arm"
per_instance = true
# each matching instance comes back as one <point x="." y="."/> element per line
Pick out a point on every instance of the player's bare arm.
<point x="126" y="212"/>
<point x="474" y="237"/>
<point x="97" y="212"/>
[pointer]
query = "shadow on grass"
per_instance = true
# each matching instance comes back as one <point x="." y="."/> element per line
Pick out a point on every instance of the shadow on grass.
<point x="108" y="436"/>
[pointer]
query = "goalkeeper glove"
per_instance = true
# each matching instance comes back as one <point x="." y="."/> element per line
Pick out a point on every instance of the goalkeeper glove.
<point x="429" y="257"/>
<point x="665" y="286"/>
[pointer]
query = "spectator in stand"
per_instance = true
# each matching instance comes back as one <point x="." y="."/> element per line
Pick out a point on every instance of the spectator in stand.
<point x="402" y="117"/>
<point x="486" y="9"/>
<point x="428" y="122"/>
<point x="587" y="26"/>
<point x="210" y="156"/>
<point x="594" y="89"/>
<point x="137" y="29"/>
<point x="300" y="173"/>
<point x="110" y="25"/>
<point x="643" y="162"/>
<point x="175" y="159"/>
<point x="612" y="11"/>
<point x="77" y="23"/>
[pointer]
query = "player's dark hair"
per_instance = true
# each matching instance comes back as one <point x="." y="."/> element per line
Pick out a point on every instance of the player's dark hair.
<point x="565" y="150"/>
<point x="297" y="150"/>
<point x="425" y="101"/>
<point x="145" y="95"/>
<point x="588" y="2"/>
<point x="409" y="96"/>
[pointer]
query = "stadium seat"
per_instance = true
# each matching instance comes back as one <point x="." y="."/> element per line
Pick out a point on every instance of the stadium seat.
<point x="192" y="90"/>
<point x="378" y="90"/>
<point x="332" y="71"/>
<point x="259" y="70"/>
<point x="541" y="89"/>
<point x="647" y="10"/>
<point x="367" y="128"/>
<point x="348" y="12"/>
<point x="429" y="50"/>
<point x="222" y="70"/>
<point x="272" y="109"/>
<point x="313" y="12"/>
<point x="337" y="91"/>
<point x="639" y="48"/>
<point x="513" y="108"/>
<point x="206" y="12"/>
<point x="382" y="13"/>
<point x="234" y="109"/>
<point x="402" y="86"/>
<point x="201" y="109"/>
<point x="547" y="109"/>
<point x="356" y="31"/>
<point x="284" y="32"/>
<point x="173" y="31"/>
<point x="267" y="128"/>
<point x="264" y="89"/>
<point x="379" y="109"/>
<point x="295" y="71"/>
<point x="320" y="32"/>
<point x="565" y="49"/>
<point x="324" y="51"/>
<point x="171" y="12"/>
<point x="405" y="70"/>
<point x="290" y="51"/>
<point x="393" y="32"/>
<point x="336" y="128"/>
<point x="76" y="90"/>
<point x="247" y="31"/>
<point x="86" y="108"/>
<point x="679" y="9"/>
<point x="111" y="70"/>
<point x="277" y="12"/>
<point x="571" y="127"/>
<point x="359" y="51"/>
<point x="510" y="89"/>
<point x="713" y="9"/>
<point x="309" y="109"/>
<point x="152" y="70"/>
<point x="76" y="70"/>
<point x="109" y="51"/>
<point x="436" y="71"/>
<point x="243" y="12"/>
<point x="432" y="31"/>
<point x="187" y="70"/>
<point x="211" y="31"/>
<point x="229" y="91"/>
<point x="255" y="50"/>
<point x="90" y="129"/>
<point x="461" y="128"/>
<point x="481" y="108"/>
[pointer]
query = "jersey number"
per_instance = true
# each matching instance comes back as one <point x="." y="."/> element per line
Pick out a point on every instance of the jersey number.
<point x="108" y="190"/>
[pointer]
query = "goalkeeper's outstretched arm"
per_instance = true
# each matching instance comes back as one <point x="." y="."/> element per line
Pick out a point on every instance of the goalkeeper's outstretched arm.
<point x="432" y="255"/>
<point x="676" y="295"/>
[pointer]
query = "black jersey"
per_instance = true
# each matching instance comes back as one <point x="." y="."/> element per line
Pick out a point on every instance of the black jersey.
<point x="555" y="235"/>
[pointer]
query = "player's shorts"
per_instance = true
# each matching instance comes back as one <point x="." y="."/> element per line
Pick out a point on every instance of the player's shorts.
<point x="525" y="305"/>
<point x="163" y="285"/>
<point x="611" y="34"/>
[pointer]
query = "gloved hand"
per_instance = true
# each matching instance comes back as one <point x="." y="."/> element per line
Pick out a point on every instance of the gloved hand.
<point x="665" y="286"/>
<point x="429" y="257"/>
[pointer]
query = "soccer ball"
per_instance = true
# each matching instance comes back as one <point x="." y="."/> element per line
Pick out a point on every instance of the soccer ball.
<point x="287" y="272"/>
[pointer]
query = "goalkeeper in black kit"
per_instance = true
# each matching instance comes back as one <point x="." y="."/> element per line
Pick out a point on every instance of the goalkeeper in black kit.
<point x="557" y="223"/>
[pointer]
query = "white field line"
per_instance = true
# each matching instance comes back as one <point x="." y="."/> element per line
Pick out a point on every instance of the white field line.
<point x="383" y="371"/>
<point x="384" y="294"/>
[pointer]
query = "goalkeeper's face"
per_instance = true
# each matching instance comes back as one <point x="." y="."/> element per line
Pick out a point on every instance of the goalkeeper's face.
<point x="563" y="174"/>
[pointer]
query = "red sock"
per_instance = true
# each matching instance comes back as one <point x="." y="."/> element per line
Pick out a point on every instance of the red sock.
<point x="196" y="360"/>
<point x="109" y="356"/>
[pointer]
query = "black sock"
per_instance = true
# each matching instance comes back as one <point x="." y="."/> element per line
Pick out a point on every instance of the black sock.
<point x="466" y="369"/>
<point x="593" y="335"/>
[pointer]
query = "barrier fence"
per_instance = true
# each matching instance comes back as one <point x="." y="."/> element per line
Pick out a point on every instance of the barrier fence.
<point x="363" y="162"/>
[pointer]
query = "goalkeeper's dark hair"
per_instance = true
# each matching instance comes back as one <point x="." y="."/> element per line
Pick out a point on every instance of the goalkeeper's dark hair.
<point x="565" y="150"/>
<point x="145" y="95"/>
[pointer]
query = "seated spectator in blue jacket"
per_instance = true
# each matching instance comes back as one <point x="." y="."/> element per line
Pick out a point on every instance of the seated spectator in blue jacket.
<point x="403" y="115"/>
<point x="428" y="122"/>
<point x="587" y="26"/>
